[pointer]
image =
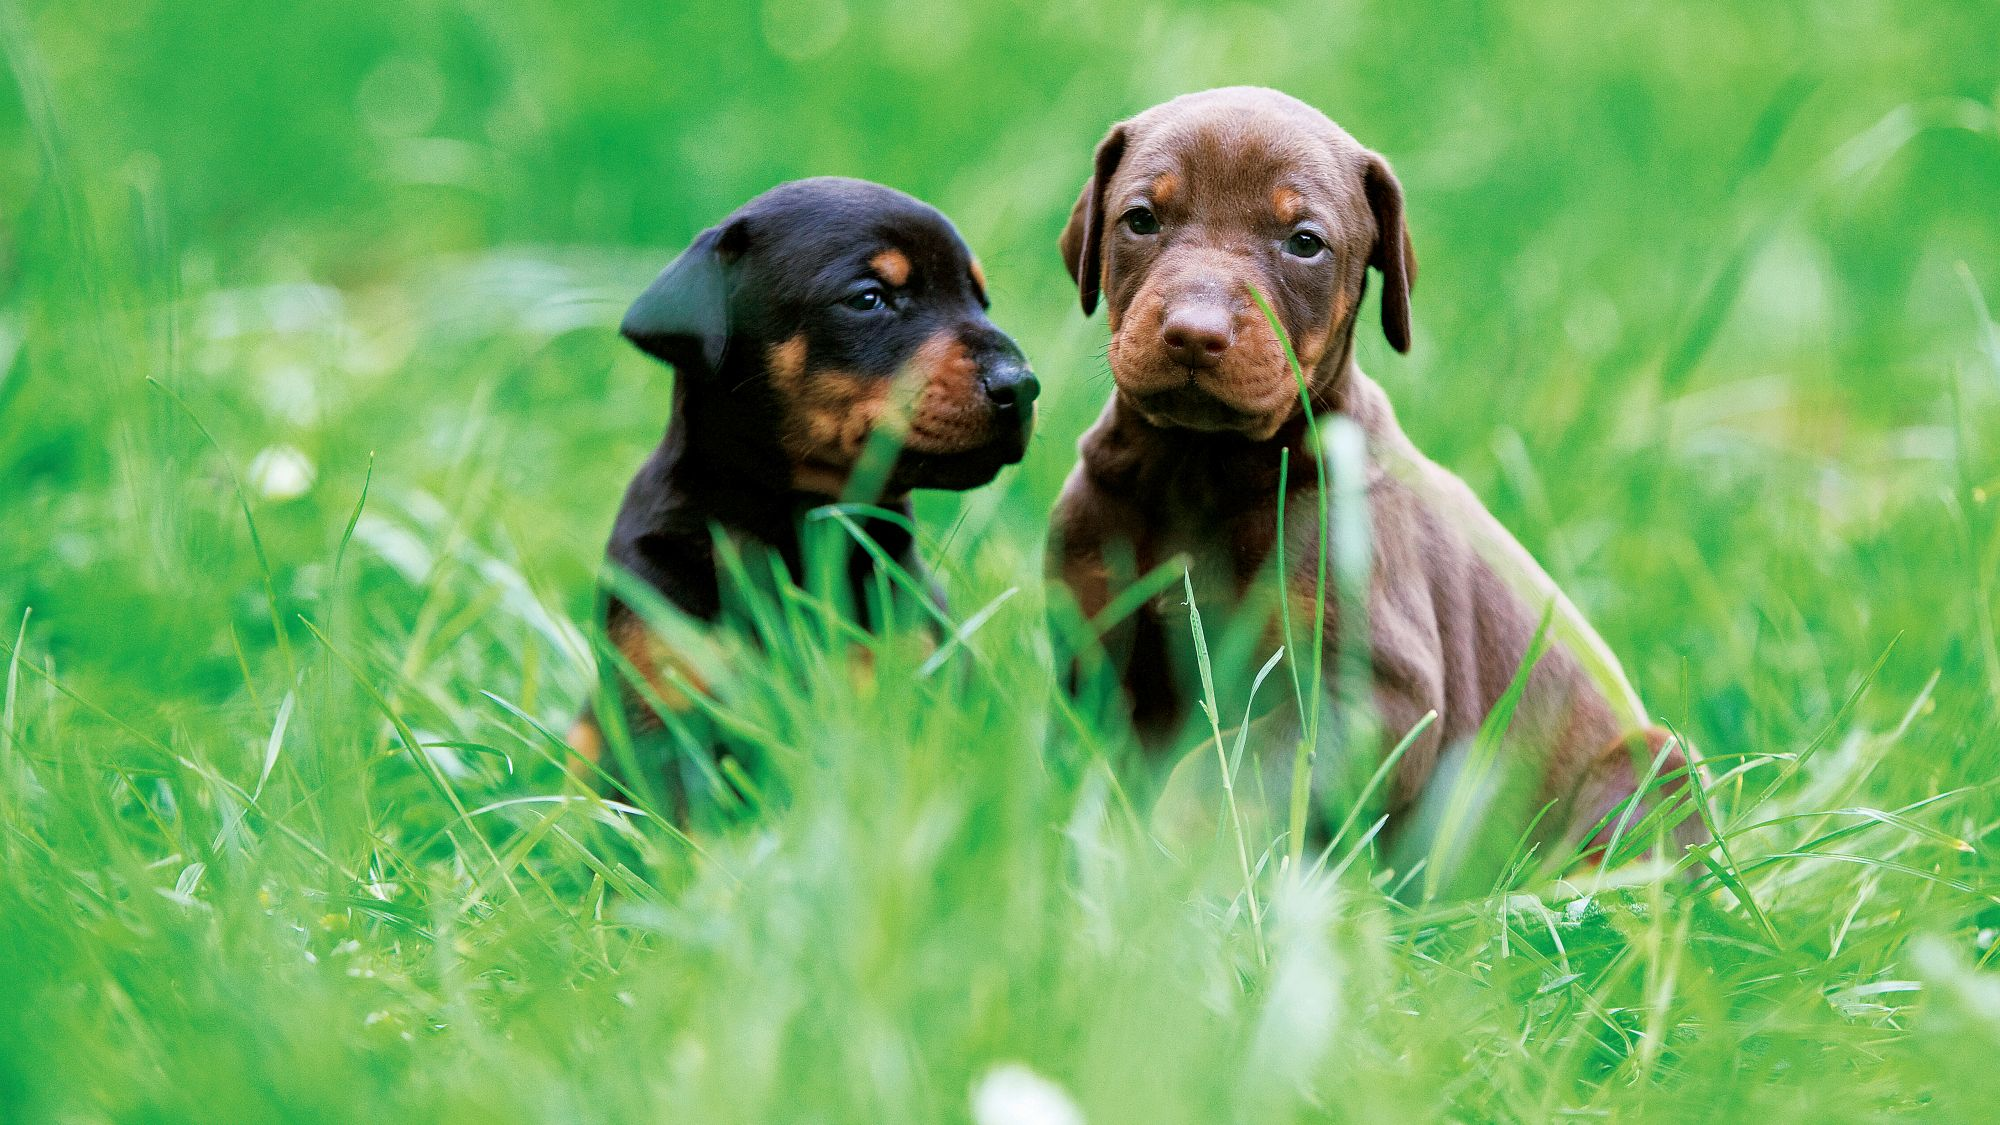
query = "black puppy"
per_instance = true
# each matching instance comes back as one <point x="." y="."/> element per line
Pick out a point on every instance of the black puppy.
<point x="820" y="310"/>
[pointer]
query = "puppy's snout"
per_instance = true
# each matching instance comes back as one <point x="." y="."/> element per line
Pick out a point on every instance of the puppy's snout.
<point x="1011" y="386"/>
<point x="1197" y="335"/>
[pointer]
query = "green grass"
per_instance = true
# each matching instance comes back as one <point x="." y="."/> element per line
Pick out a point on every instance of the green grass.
<point x="282" y="834"/>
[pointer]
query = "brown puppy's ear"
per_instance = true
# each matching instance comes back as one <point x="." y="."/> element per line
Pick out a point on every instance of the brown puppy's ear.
<point x="1393" y="254"/>
<point x="1083" y="239"/>
<point x="683" y="317"/>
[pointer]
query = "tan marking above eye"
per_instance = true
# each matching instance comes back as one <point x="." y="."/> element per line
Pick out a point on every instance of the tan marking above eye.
<point x="892" y="266"/>
<point x="1288" y="204"/>
<point x="1166" y="186"/>
<point x="978" y="276"/>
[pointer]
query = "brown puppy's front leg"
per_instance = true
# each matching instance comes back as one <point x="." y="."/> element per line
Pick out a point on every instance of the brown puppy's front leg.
<point x="1096" y="550"/>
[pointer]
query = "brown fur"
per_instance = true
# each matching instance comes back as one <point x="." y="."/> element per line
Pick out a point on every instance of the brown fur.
<point x="1184" y="460"/>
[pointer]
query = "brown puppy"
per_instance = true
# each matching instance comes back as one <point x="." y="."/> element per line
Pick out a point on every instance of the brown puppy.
<point x="1190" y="205"/>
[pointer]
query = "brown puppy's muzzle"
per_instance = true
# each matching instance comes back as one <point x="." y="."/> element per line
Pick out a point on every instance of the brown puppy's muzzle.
<point x="1192" y="351"/>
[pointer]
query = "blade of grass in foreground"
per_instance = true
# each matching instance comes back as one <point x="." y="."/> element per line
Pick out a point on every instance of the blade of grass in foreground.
<point x="1208" y="707"/>
<point x="1309" y="698"/>
<point x="250" y="520"/>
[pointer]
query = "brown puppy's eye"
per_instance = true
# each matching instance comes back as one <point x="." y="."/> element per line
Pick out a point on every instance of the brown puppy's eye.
<point x="1140" y="220"/>
<point x="1304" y="244"/>
<point x="867" y="300"/>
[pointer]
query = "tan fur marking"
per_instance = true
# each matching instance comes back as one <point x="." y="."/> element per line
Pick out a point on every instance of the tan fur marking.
<point x="832" y="417"/>
<point x="979" y="275"/>
<point x="1288" y="204"/>
<point x="951" y="413"/>
<point x="828" y="416"/>
<point x="1166" y="186"/>
<point x="650" y="656"/>
<point x="1312" y="348"/>
<point x="892" y="266"/>
<point x="788" y="362"/>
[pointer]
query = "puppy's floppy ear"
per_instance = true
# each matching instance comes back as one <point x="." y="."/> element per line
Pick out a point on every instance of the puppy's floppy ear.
<point x="1083" y="239"/>
<point x="1393" y="254"/>
<point x="683" y="316"/>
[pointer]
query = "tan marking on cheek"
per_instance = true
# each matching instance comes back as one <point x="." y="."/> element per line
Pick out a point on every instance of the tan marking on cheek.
<point x="1166" y="186"/>
<point x="1343" y="304"/>
<point x="951" y="414"/>
<point x="1255" y="373"/>
<point x="828" y="416"/>
<point x="1288" y="204"/>
<point x="1137" y="363"/>
<point x="892" y="266"/>
<point x="1311" y="349"/>
<point x="978" y="275"/>
<point x="830" y="420"/>
<point x="787" y="362"/>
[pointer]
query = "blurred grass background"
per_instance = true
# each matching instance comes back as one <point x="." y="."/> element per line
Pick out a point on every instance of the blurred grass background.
<point x="1700" y="316"/>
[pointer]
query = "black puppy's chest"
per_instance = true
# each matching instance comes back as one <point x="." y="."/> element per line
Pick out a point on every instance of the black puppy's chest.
<point x="709" y="564"/>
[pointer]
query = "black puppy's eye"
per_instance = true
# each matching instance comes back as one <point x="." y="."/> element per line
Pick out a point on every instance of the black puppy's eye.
<point x="1140" y="220"/>
<point x="1304" y="244"/>
<point x="867" y="300"/>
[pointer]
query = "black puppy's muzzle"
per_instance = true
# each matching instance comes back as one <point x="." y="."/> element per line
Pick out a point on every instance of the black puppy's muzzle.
<point x="1009" y="388"/>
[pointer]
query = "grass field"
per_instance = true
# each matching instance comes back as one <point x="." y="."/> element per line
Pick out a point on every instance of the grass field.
<point x="313" y="419"/>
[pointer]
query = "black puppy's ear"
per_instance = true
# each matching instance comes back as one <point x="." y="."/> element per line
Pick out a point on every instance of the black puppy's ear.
<point x="1393" y="254"/>
<point x="683" y="316"/>
<point x="1083" y="239"/>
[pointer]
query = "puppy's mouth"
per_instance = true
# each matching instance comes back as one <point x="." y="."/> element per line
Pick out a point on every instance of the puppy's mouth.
<point x="960" y="469"/>
<point x="950" y="468"/>
<point x="1191" y="408"/>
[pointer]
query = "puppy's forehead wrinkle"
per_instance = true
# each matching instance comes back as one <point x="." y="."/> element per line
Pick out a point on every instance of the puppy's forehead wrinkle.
<point x="1208" y="174"/>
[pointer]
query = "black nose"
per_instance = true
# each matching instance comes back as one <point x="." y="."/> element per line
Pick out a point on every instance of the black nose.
<point x="1197" y="335"/>
<point x="1012" y="387"/>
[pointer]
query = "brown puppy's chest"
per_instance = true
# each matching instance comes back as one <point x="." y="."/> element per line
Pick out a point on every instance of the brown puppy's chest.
<point x="1225" y="541"/>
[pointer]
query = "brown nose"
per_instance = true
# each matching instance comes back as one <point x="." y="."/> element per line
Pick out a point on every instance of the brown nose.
<point x="1197" y="335"/>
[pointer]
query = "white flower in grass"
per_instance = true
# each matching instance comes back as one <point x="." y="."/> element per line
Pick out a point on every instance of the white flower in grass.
<point x="1011" y="1094"/>
<point x="281" y="472"/>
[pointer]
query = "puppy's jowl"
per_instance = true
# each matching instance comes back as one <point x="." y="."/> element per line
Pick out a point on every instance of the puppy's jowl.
<point x="818" y="313"/>
<point x="1189" y="206"/>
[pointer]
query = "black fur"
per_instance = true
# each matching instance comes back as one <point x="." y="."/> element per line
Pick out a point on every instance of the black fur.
<point x="783" y="267"/>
